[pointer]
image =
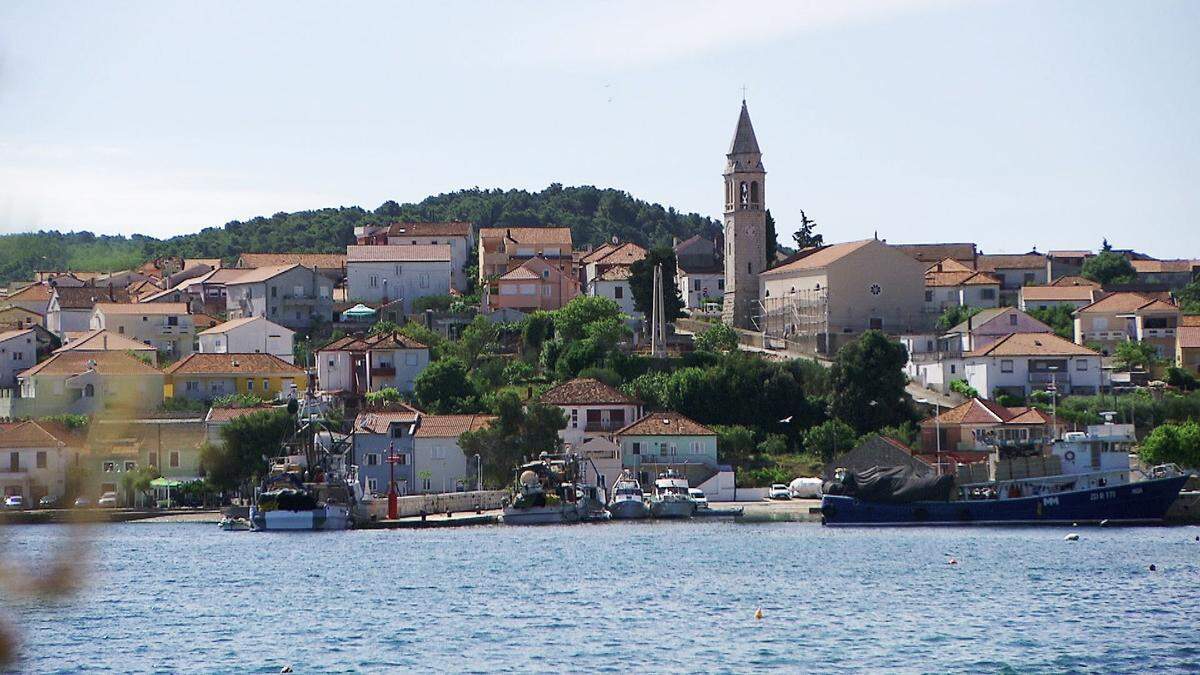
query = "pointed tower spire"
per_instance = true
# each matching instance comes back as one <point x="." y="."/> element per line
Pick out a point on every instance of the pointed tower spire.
<point x="743" y="139"/>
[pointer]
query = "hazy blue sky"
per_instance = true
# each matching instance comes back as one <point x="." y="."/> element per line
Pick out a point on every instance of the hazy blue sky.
<point x="1009" y="124"/>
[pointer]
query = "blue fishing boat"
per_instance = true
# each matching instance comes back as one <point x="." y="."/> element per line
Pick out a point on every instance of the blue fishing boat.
<point x="1091" y="482"/>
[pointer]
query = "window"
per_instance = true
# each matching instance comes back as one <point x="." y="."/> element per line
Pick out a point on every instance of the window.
<point x="89" y="390"/>
<point x="876" y="289"/>
<point x="695" y="447"/>
<point x="425" y="280"/>
<point x="174" y="461"/>
<point x="274" y="292"/>
<point x="120" y="330"/>
<point x="41" y="459"/>
<point x="988" y="293"/>
<point x="172" y="321"/>
<point x="274" y="311"/>
<point x="618" y="292"/>
<point x="192" y="385"/>
<point x="397" y="431"/>
<point x="637" y="448"/>
<point x="266" y="384"/>
<point x="438" y="453"/>
<point x="1028" y="278"/>
<point x="14" y="462"/>
<point x="372" y="459"/>
<point x="1012" y="319"/>
<point x="574" y="418"/>
<point x="929" y="345"/>
<point x="749" y="268"/>
<point x="132" y="466"/>
<point x="928" y="296"/>
<point x="545" y="274"/>
<point x="1006" y="366"/>
<point x="424" y="483"/>
<point x="876" y="323"/>
<point x="110" y="467"/>
<point x="297" y="315"/>
<point x="249" y="384"/>
<point x="298" y="291"/>
<point x="373" y="281"/>
<point x="323" y="291"/>
<point x="548" y="291"/>
<point x="1081" y="364"/>
<point x="952" y="368"/>
<point x="372" y="485"/>
<point x="721" y="284"/>
<point x="410" y="358"/>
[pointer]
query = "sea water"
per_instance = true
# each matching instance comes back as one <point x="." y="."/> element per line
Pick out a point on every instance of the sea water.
<point x="618" y="597"/>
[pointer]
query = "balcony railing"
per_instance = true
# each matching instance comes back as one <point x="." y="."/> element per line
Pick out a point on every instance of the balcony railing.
<point x="604" y="425"/>
<point x="1158" y="332"/>
<point x="383" y="371"/>
<point x="300" y="299"/>
<point x="1059" y="379"/>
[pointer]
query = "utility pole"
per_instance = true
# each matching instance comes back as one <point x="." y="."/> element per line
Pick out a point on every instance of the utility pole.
<point x="393" y="501"/>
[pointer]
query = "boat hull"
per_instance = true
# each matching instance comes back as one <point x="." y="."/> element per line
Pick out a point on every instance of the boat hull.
<point x="629" y="509"/>
<point x="540" y="515"/>
<point x="1143" y="502"/>
<point x="324" y="518"/>
<point x="672" y="509"/>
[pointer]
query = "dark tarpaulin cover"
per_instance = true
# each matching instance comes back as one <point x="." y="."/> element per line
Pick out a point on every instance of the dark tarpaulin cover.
<point x="891" y="484"/>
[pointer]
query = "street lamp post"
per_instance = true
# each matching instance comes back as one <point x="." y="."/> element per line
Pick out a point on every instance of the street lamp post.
<point x="393" y="501"/>
<point x="478" y="473"/>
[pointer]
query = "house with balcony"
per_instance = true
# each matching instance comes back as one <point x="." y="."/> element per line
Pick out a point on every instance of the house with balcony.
<point x="377" y="433"/>
<point x="503" y="249"/>
<point x="376" y="274"/>
<point x="615" y="255"/>
<point x="1173" y="274"/>
<point x="18" y="352"/>
<point x="661" y="440"/>
<point x="1120" y="317"/>
<point x="949" y="283"/>
<point x="294" y="296"/>
<point x="86" y="383"/>
<point x="110" y="341"/>
<point x="167" y="441"/>
<point x="71" y="308"/>
<point x="166" y="326"/>
<point x="248" y="335"/>
<point x="1022" y="363"/>
<point x="537" y="284"/>
<point x="592" y="408"/>
<point x="1014" y="270"/>
<point x="438" y="462"/>
<point x="205" y="377"/>
<point x="459" y="236"/>
<point x="357" y="364"/>
<point x="33" y="463"/>
<point x="1046" y="297"/>
<point x="971" y="430"/>
<point x="699" y="272"/>
<point x="330" y="265"/>
<point x="990" y="325"/>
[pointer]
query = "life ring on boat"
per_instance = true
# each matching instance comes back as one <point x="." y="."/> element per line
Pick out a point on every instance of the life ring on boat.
<point x="1069" y="455"/>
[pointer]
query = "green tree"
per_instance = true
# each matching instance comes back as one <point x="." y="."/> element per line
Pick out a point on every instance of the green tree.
<point x="964" y="389"/>
<point x="444" y="387"/>
<point x="1189" y="298"/>
<point x="955" y="315"/>
<point x="438" y="303"/>
<point x="384" y="395"/>
<point x="1132" y="355"/>
<point x="383" y="326"/>
<point x="519" y="431"/>
<point x="479" y="338"/>
<point x="718" y="338"/>
<point x="907" y="433"/>
<point x="829" y="438"/>
<point x="867" y="379"/>
<point x="1173" y="443"/>
<point x="247" y="442"/>
<point x="649" y="388"/>
<point x="735" y="444"/>
<point x="572" y="321"/>
<point x="641" y="283"/>
<point x="1060" y="318"/>
<point x="1107" y="268"/>
<point x="805" y="237"/>
<point x="771" y="242"/>
<point x="535" y="330"/>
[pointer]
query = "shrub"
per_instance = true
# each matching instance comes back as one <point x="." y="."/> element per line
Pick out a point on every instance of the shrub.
<point x="961" y="387"/>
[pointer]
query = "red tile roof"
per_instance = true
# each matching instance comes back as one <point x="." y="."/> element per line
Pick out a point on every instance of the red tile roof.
<point x="586" y="391"/>
<point x="146" y="308"/>
<point x="222" y="415"/>
<point x="444" y="229"/>
<point x="1032" y="344"/>
<point x="1060" y="293"/>
<point x="950" y="279"/>
<point x="27" y="435"/>
<point x="819" y="258"/>
<point x="665" y="423"/>
<point x="362" y="343"/>
<point x="1125" y="302"/>
<point x="1158" y="266"/>
<point x="259" y="274"/>
<point x="624" y="254"/>
<point x="233" y="364"/>
<point x="451" y="426"/>
<point x="87" y="297"/>
<point x="1188" y="336"/>
<point x="529" y="235"/>
<point x="324" y="261"/>
<point x="377" y="422"/>
<point x="406" y="253"/>
<point x="104" y="363"/>
<point x="104" y="340"/>
<point x="1010" y="261"/>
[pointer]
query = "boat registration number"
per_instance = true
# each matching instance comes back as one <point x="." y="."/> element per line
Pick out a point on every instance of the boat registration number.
<point x="1104" y="494"/>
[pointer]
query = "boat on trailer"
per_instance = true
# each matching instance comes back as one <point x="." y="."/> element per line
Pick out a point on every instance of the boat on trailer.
<point x="1095" y="484"/>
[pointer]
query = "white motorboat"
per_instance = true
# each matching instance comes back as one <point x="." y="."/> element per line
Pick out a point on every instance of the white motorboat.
<point x="628" y="502"/>
<point x="671" y="498"/>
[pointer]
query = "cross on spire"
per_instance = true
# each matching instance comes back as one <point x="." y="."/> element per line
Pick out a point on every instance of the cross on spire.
<point x="743" y="93"/>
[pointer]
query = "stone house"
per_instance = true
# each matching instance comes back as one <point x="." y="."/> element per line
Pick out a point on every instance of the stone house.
<point x="87" y="383"/>
<point x="33" y="463"/>
<point x="204" y="377"/>
<point x="357" y="364"/>
<point x="294" y="296"/>
<point x="1120" y="317"/>
<point x="458" y="235"/>
<point x="1187" y="349"/>
<point x="329" y="265"/>
<point x="12" y="316"/>
<point x="166" y="326"/>
<point x="32" y="298"/>
<point x="1014" y="270"/>
<point x="1045" y="297"/>
<point x="18" y="352"/>
<point x="71" y="308"/>
<point x="949" y="283"/>
<point x="502" y="249"/>
<point x="376" y="433"/>
<point x="613" y="283"/>
<point x="110" y="341"/>
<point x="969" y="431"/>
<point x="439" y="464"/>
<point x="537" y="284"/>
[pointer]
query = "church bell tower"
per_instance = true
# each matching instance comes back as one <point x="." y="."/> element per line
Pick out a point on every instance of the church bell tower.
<point x="745" y="224"/>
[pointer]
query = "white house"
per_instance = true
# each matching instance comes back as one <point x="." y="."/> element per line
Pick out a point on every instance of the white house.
<point x="289" y="295"/>
<point x="383" y="273"/>
<point x="1021" y="363"/>
<point x="248" y="335"/>
<point x="438" y="463"/>
<point x="18" y="352"/>
<point x="34" y="463"/>
<point x="85" y="383"/>
<point x="458" y="235"/>
<point x="613" y="283"/>
<point x="358" y="364"/>
<point x="592" y="407"/>
<point x="949" y="283"/>
<point x="71" y="308"/>
<point x="661" y="440"/>
<point x="166" y="326"/>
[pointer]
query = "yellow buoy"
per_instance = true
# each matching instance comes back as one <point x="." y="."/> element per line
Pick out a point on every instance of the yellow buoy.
<point x="758" y="613"/>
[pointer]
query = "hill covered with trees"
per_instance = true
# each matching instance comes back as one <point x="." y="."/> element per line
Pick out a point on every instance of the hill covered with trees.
<point x="593" y="214"/>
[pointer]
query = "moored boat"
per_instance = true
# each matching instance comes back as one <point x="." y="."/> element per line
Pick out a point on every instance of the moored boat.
<point x="628" y="502"/>
<point x="671" y="498"/>
<point x="553" y="490"/>
<point x="1093" y="484"/>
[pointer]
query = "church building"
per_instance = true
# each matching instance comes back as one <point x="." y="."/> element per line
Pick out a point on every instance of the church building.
<point x="745" y="224"/>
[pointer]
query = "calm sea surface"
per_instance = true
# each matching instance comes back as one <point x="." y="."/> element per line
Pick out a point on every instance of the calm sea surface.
<point x="618" y="598"/>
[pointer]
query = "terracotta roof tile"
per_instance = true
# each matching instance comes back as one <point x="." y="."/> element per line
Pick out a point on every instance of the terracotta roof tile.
<point x="949" y="265"/>
<point x="930" y="253"/>
<point x="616" y="273"/>
<point x="146" y="308"/>
<point x="597" y="253"/>
<point x="405" y="253"/>
<point x="975" y="411"/>
<point x="950" y="279"/>
<point x="585" y="391"/>
<point x="362" y="343"/>
<point x="1060" y="293"/>
<point x="254" y="275"/>
<point x="1188" y="336"/>
<point x="1010" y="261"/>
<point x="86" y="297"/>
<point x="27" y="435"/>
<point x="1189" y="320"/>
<point x="665" y="423"/>
<point x="819" y="258"/>
<point x="233" y="364"/>
<point x="234" y="324"/>
<point x="222" y="415"/>
<point x="625" y="254"/>
<point x="104" y="363"/>
<point x="1032" y="344"/>
<point x="31" y="293"/>
<point x="324" y="261"/>
<point x="1159" y="266"/>
<point x="1125" y="302"/>
<point x="529" y="235"/>
<point x="451" y="426"/>
<point x="102" y="341"/>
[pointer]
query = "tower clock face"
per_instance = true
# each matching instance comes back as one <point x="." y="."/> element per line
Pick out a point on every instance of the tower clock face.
<point x="876" y="289"/>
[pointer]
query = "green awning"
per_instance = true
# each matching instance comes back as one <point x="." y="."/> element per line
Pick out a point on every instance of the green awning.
<point x="165" y="483"/>
<point x="359" y="311"/>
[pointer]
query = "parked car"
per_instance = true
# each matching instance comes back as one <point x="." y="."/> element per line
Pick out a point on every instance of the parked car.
<point x="48" y="502"/>
<point x="779" y="491"/>
<point x="82" y="503"/>
<point x="697" y="495"/>
<point x="14" y="503"/>
<point x="108" y="500"/>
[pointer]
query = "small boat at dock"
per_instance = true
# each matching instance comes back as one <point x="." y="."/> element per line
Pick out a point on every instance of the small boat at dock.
<point x="628" y="502"/>
<point x="671" y="498"/>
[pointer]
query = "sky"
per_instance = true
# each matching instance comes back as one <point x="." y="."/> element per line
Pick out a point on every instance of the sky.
<point x="1014" y="125"/>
